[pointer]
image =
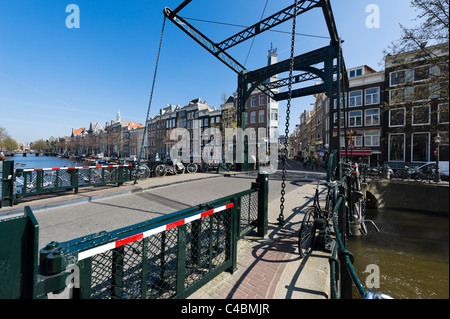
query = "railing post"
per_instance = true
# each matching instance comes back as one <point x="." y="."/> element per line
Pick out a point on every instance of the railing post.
<point x="235" y="216"/>
<point x="74" y="179"/>
<point x="263" y="199"/>
<point x="343" y="217"/>
<point x="181" y="259"/>
<point x="7" y="195"/>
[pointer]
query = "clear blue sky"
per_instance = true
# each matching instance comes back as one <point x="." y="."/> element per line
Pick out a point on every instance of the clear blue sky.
<point x="53" y="78"/>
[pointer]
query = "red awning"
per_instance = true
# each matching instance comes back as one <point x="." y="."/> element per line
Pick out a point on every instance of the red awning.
<point x="357" y="153"/>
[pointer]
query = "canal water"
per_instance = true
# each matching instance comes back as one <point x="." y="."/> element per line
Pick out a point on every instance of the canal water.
<point x="411" y="254"/>
<point x="33" y="161"/>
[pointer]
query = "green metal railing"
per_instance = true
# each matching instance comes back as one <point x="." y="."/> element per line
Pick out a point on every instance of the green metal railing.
<point x="343" y="274"/>
<point x="166" y="257"/>
<point x="32" y="182"/>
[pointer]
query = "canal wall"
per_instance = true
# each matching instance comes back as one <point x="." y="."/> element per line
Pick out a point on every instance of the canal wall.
<point x="424" y="197"/>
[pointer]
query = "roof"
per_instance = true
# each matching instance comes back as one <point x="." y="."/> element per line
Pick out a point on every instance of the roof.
<point x="132" y="125"/>
<point x="76" y="132"/>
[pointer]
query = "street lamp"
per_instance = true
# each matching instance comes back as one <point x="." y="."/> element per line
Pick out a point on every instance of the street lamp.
<point x="437" y="174"/>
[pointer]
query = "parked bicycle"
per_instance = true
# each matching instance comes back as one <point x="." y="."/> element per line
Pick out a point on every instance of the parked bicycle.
<point x="177" y="168"/>
<point x="358" y="210"/>
<point x="316" y="218"/>
<point x="28" y="181"/>
<point x="192" y="168"/>
<point x="141" y="171"/>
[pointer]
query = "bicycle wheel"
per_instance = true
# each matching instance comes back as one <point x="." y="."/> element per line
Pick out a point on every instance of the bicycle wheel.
<point x="192" y="168"/>
<point x="143" y="172"/>
<point x="307" y="233"/>
<point x="160" y="170"/>
<point x="179" y="169"/>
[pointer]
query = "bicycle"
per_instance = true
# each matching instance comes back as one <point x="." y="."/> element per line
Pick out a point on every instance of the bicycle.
<point x="141" y="171"/>
<point x="175" y="169"/>
<point x="358" y="210"/>
<point x="317" y="218"/>
<point x="50" y="179"/>
<point x="192" y="168"/>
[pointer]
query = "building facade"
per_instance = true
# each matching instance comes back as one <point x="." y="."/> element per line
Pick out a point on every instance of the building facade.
<point x="416" y="106"/>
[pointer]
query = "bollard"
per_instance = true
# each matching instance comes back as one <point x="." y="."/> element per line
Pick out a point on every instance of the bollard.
<point x="18" y="258"/>
<point x="263" y="203"/>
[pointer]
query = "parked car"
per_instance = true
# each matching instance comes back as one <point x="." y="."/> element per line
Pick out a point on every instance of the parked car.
<point x="431" y="166"/>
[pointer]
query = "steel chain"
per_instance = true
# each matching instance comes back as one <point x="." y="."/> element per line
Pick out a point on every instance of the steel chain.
<point x="150" y="101"/>
<point x="288" y="111"/>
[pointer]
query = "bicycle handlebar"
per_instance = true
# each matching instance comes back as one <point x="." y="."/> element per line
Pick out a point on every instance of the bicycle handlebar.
<point x="322" y="182"/>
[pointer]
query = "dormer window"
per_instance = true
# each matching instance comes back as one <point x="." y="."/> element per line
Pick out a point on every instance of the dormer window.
<point x="355" y="72"/>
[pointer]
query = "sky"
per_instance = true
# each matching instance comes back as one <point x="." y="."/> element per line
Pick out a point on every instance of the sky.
<point x="54" y="78"/>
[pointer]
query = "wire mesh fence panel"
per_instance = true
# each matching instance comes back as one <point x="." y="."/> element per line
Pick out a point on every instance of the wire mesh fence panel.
<point x="249" y="213"/>
<point x="208" y="245"/>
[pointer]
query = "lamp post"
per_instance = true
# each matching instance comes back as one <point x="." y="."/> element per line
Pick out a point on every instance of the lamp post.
<point x="437" y="174"/>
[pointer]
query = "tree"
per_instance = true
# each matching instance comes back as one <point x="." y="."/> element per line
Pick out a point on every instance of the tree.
<point x="40" y="145"/>
<point x="433" y="27"/>
<point x="10" y="144"/>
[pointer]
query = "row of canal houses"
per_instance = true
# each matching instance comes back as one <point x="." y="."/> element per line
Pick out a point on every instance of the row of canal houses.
<point x="124" y="139"/>
<point x="393" y="115"/>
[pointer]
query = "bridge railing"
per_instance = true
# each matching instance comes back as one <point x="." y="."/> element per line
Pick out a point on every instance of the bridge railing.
<point x="343" y="274"/>
<point x="25" y="182"/>
<point x="166" y="257"/>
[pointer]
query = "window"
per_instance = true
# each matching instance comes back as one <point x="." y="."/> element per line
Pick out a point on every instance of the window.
<point x="335" y="119"/>
<point x="273" y="115"/>
<point x="273" y="132"/>
<point x="401" y="77"/>
<point x="206" y="122"/>
<point x="421" y="115"/>
<point x="341" y="101"/>
<point x="357" y="140"/>
<point x="372" y="117"/>
<point x="355" y="118"/>
<point x="355" y="98"/>
<point x="435" y="91"/>
<point x="421" y="73"/>
<point x="401" y="95"/>
<point x="443" y="113"/>
<point x="372" y="138"/>
<point x="262" y="100"/>
<point x="396" y="147"/>
<point x="421" y="92"/>
<point x="253" y="99"/>
<point x="261" y="116"/>
<point x="372" y="96"/>
<point x="356" y="72"/>
<point x="397" y="117"/>
<point x="420" y="147"/>
<point x="253" y="117"/>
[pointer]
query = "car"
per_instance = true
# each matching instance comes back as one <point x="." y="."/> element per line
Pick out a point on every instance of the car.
<point x="431" y="166"/>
